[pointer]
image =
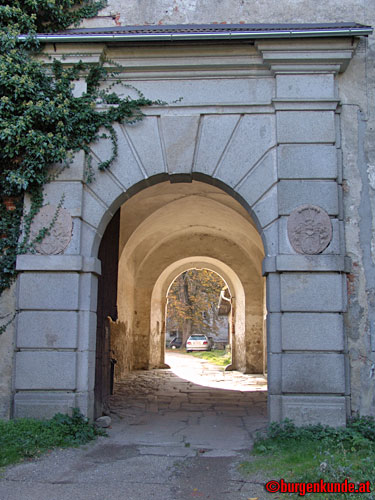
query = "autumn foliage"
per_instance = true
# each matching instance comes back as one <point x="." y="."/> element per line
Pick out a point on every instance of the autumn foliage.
<point x="192" y="302"/>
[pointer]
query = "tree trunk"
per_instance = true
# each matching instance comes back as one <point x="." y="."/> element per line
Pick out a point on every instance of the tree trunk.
<point x="185" y="299"/>
<point x="186" y="331"/>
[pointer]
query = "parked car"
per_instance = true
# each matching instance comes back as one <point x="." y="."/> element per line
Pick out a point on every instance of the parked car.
<point x="198" y="343"/>
<point x="175" y="343"/>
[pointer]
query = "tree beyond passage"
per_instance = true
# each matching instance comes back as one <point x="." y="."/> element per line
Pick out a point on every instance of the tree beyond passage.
<point x="192" y="302"/>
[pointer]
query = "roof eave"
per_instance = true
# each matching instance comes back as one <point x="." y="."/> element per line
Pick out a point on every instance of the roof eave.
<point x="229" y="35"/>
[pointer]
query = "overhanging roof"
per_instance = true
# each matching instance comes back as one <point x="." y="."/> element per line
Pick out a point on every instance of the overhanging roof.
<point x="204" y="32"/>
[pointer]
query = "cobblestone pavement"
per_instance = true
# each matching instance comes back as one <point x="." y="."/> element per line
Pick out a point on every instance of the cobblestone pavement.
<point x="176" y="434"/>
<point x="191" y="386"/>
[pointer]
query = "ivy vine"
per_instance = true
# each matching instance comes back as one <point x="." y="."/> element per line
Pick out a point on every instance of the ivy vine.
<point x="42" y="122"/>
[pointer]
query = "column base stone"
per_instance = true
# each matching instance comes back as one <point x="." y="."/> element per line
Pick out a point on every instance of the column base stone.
<point x="43" y="404"/>
<point x="305" y="410"/>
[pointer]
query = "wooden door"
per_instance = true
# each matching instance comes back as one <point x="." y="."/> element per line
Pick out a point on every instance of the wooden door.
<point x="107" y="306"/>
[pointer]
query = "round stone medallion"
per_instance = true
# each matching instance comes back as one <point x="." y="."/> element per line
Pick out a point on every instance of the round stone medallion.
<point x="60" y="233"/>
<point x="309" y="229"/>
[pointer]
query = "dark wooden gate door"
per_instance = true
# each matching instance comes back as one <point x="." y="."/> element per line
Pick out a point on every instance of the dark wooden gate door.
<point x="107" y="306"/>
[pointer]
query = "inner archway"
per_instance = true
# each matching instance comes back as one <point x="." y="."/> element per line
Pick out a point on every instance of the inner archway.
<point x="237" y="319"/>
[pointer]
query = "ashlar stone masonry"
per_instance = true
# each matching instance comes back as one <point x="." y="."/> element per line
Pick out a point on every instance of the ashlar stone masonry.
<point x="256" y="139"/>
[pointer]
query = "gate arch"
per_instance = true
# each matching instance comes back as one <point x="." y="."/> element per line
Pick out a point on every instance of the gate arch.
<point x="237" y="147"/>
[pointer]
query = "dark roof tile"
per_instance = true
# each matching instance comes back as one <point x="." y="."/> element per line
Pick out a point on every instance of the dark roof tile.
<point x="217" y="30"/>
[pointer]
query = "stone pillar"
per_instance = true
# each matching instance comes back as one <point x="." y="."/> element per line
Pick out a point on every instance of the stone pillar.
<point x="55" y="345"/>
<point x="57" y="301"/>
<point x="306" y="286"/>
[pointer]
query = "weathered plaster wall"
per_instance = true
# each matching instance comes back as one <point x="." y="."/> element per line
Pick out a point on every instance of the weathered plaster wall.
<point x="357" y="91"/>
<point x="229" y="11"/>
<point x="7" y="342"/>
<point x="122" y="347"/>
<point x="122" y="338"/>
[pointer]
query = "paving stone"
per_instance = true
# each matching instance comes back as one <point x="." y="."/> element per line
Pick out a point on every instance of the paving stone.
<point x="194" y="406"/>
<point x="175" y="405"/>
<point x="220" y="453"/>
<point x="175" y="417"/>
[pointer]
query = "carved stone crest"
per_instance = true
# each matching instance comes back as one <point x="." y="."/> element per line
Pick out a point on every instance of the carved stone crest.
<point x="309" y="229"/>
<point x="60" y="233"/>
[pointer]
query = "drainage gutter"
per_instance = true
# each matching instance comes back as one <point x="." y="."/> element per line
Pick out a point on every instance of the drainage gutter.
<point x="171" y="37"/>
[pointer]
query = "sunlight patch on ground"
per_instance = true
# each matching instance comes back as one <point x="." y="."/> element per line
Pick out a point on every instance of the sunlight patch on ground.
<point x="206" y="374"/>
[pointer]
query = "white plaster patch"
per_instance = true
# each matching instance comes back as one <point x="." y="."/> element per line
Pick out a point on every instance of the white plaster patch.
<point x="371" y="175"/>
<point x="373" y="247"/>
<point x="187" y="5"/>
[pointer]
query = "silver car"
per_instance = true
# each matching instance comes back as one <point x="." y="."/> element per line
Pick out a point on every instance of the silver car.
<point x="198" y="343"/>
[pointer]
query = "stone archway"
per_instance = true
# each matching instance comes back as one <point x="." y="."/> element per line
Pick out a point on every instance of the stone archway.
<point x="237" y="320"/>
<point x="275" y="151"/>
<point x="163" y="229"/>
<point x="195" y="221"/>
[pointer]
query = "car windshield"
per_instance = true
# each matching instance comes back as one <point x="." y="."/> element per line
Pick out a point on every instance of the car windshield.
<point x="198" y="337"/>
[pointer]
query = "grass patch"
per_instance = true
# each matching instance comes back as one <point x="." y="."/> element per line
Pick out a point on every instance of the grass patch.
<point x="311" y="453"/>
<point x="27" y="438"/>
<point x="217" y="357"/>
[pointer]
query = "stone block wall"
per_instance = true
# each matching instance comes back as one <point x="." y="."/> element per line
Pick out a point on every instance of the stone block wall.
<point x="298" y="133"/>
<point x="56" y="328"/>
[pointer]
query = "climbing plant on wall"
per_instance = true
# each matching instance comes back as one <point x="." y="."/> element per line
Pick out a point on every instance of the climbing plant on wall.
<point x="42" y="122"/>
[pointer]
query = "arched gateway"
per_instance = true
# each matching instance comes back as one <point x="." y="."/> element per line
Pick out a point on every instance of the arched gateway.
<point x="241" y="176"/>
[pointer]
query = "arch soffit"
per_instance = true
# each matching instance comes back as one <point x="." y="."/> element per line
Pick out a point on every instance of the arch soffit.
<point x="138" y="187"/>
<point x="178" y="219"/>
<point x="187" y="246"/>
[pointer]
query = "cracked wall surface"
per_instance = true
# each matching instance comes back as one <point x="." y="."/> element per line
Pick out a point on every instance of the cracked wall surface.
<point x="135" y="12"/>
<point x="357" y="88"/>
